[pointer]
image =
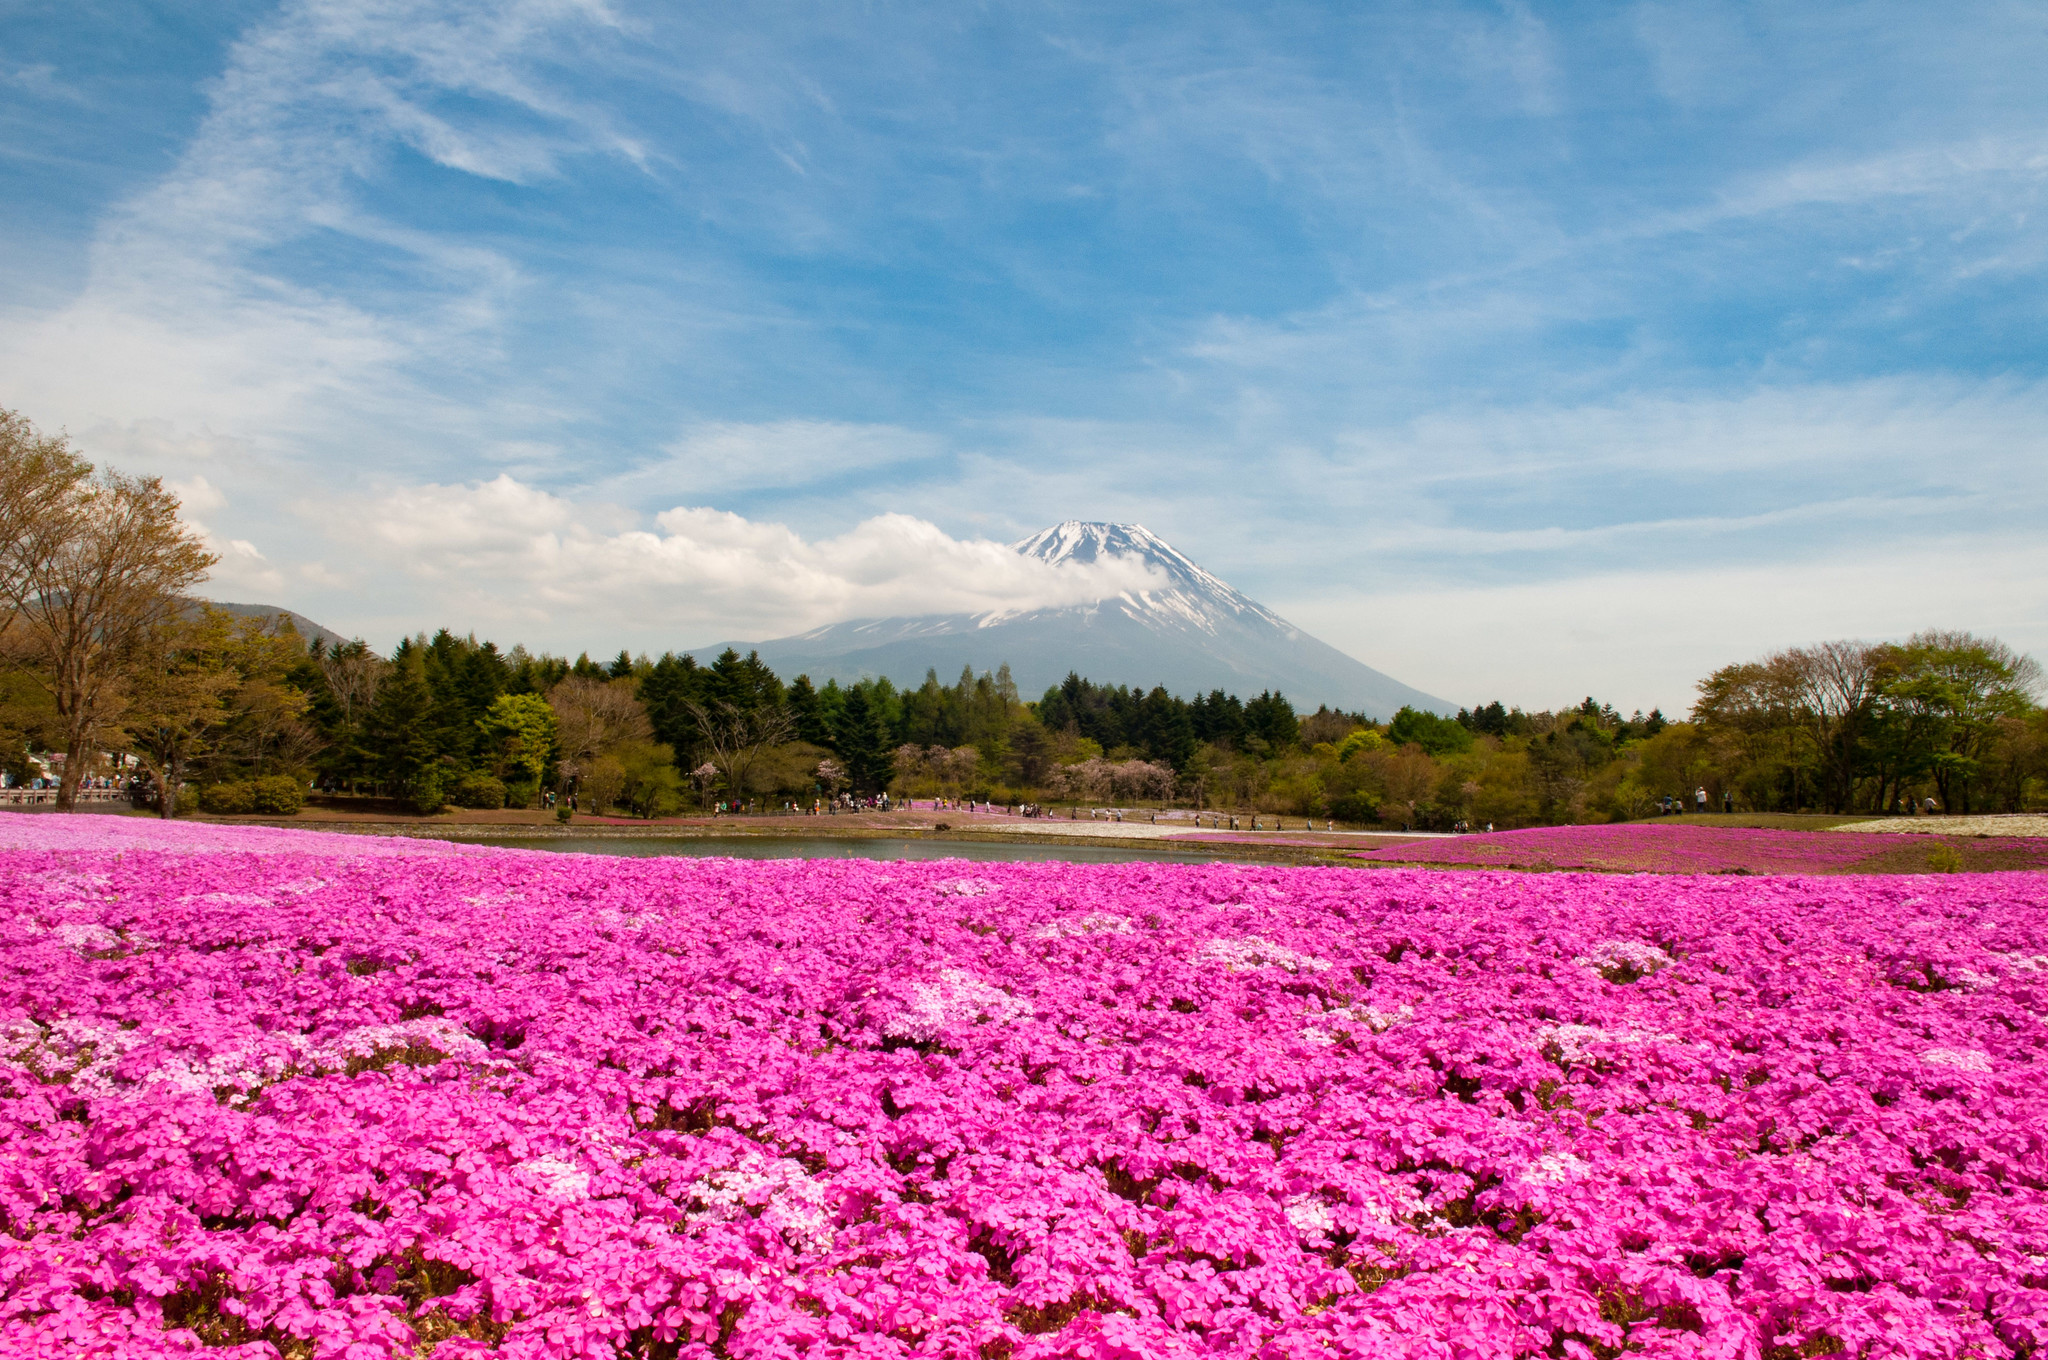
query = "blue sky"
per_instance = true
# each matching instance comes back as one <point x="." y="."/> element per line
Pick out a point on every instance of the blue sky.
<point x="1518" y="350"/>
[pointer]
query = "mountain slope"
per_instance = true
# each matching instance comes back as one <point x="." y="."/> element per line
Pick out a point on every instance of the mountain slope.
<point x="1192" y="635"/>
<point x="307" y="629"/>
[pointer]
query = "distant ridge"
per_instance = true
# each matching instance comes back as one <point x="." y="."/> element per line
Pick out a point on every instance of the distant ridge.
<point x="1194" y="635"/>
<point x="307" y="629"/>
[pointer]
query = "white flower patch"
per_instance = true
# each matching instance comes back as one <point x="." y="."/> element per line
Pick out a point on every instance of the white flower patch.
<point x="90" y="889"/>
<point x="1965" y="1059"/>
<point x="1554" y="1168"/>
<point x="556" y="1178"/>
<point x="1572" y="1040"/>
<point x="299" y="887"/>
<point x="86" y="935"/>
<point x="435" y="1032"/>
<point x="956" y="997"/>
<point x="1396" y="1204"/>
<point x="1632" y="956"/>
<point x="229" y="899"/>
<point x="775" y="1189"/>
<point x="965" y="887"/>
<point x="1094" y="923"/>
<point x="1332" y="1026"/>
<point x="239" y="1070"/>
<point x="1311" y="1217"/>
<point x="1250" y="952"/>
<point x="81" y="1053"/>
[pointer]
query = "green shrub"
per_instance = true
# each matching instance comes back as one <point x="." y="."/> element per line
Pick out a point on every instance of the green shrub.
<point x="1438" y="736"/>
<point x="478" y="791"/>
<point x="425" y="796"/>
<point x="277" y="795"/>
<point x="1944" y="859"/>
<point x="232" y="797"/>
<point x="520" y="793"/>
<point x="1354" y="807"/>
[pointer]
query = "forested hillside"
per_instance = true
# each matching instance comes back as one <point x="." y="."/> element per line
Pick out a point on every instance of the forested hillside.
<point x="447" y="718"/>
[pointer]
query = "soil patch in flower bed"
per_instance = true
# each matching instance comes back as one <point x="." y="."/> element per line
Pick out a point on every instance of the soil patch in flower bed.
<point x="269" y="1094"/>
<point x="1638" y="847"/>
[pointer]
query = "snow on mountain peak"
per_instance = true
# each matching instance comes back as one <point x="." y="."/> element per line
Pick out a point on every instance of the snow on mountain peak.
<point x="1121" y="604"/>
<point x="1192" y="597"/>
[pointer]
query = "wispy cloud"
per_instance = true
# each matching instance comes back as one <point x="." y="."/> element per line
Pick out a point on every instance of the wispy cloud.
<point x="730" y="456"/>
<point x="1339" y="298"/>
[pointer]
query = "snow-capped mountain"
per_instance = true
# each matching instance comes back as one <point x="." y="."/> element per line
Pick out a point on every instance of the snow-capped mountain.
<point x="1193" y="634"/>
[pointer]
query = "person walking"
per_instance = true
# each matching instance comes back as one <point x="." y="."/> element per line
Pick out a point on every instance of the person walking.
<point x="1699" y="799"/>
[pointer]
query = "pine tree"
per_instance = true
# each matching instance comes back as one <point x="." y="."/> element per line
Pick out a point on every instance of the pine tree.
<point x="863" y="742"/>
<point x="807" y="713"/>
<point x="400" y="731"/>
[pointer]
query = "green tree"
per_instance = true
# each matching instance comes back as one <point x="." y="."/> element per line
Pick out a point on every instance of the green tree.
<point x="668" y="689"/>
<point x="806" y="714"/>
<point x="519" y="732"/>
<point x="342" y="682"/>
<point x="1959" y="687"/>
<point x="1438" y="736"/>
<point x="650" y="784"/>
<point x="1270" y="719"/>
<point x="177" y="707"/>
<point x="399" y="729"/>
<point x="863" y="741"/>
<point x="1166" y="731"/>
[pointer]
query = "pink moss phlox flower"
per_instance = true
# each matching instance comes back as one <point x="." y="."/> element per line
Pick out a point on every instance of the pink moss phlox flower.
<point x="1636" y="847"/>
<point x="270" y="1094"/>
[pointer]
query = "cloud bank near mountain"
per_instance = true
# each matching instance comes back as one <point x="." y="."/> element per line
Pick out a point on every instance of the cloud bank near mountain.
<point x="510" y="552"/>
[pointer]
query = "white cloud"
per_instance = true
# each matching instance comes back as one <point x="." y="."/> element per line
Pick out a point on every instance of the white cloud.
<point x="1644" y="638"/>
<point x="240" y="569"/>
<point x="503" y="550"/>
<point x="197" y="496"/>
<point x="197" y="335"/>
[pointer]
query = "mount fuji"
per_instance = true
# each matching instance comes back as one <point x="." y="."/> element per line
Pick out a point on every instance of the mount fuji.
<point x="1193" y="635"/>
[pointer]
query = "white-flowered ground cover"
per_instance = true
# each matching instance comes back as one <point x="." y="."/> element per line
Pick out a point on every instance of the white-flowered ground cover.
<point x="327" y="1104"/>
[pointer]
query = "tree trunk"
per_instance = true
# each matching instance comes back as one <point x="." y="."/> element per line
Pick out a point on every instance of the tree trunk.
<point x="74" y="771"/>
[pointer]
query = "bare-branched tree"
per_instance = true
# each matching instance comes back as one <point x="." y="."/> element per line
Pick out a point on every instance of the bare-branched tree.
<point x="91" y="569"/>
<point x="735" y="736"/>
<point x="352" y="672"/>
<point x="594" y="718"/>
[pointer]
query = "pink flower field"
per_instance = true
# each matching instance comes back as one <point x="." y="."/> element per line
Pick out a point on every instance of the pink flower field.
<point x="330" y="1097"/>
<point x="1634" y="847"/>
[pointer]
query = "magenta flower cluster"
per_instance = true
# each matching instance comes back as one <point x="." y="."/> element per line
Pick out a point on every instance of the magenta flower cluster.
<point x="1673" y="849"/>
<point x="322" y="1102"/>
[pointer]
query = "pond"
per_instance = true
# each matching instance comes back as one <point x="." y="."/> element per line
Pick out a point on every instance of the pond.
<point x="820" y="847"/>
